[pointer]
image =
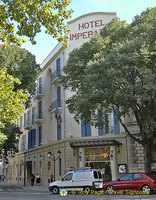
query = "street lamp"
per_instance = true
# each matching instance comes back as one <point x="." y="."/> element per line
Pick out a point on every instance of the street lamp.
<point x="52" y="156"/>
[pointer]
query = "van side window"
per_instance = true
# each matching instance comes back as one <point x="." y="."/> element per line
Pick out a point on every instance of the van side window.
<point x="95" y="175"/>
<point x="68" y="177"/>
<point x="100" y="176"/>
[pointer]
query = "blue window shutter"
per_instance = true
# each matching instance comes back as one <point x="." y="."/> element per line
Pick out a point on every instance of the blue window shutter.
<point x="116" y="123"/>
<point x="88" y="129"/>
<point x="33" y="137"/>
<point x="29" y="140"/>
<point x="60" y="166"/>
<point x="33" y="115"/>
<point x="100" y="129"/>
<point x="40" y="135"/>
<point x="25" y="119"/>
<point x="40" y="85"/>
<point x="40" y="110"/>
<point x="82" y="128"/>
<point x="58" y="66"/>
<point x="59" y="96"/>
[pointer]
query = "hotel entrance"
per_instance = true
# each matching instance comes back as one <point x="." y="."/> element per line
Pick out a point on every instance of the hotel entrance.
<point x="98" y="154"/>
<point x="99" y="158"/>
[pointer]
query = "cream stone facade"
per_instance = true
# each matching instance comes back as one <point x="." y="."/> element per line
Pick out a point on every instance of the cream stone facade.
<point x="80" y="145"/>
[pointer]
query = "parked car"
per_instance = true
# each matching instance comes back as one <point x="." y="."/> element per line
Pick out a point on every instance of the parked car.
<point x="133" y="181"/>
<point x="83" y="179"/>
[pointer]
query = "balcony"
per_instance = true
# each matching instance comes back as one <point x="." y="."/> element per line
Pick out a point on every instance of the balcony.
<point x="39" y="118"/>
<point x="28" y="124"/>
<point x="38" y="94"/>
<point x="54" y="104"/>
<point x="54" y="78"/>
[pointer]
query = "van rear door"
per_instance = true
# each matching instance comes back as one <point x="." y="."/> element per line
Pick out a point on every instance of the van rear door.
<point x="98" y="180"/>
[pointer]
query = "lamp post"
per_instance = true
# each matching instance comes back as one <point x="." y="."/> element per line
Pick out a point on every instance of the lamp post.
<point x="52" y="156"/>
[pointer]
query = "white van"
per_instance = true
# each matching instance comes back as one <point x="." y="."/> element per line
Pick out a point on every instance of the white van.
<point x="81" y="179"/>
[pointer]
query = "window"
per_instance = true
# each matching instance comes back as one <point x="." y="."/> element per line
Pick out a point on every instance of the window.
<point x="116" y="123"/>
<point x="137" y="177"/>
<point x="85" y="129"/>
<point x="100" y="176"/>
<point x="68" y="177"/>
<point x="95" y="175"/>
<point x="40" y="110"/>
<point x="40" y="85"/>
<point x="100" y="127"/>
<point x="29" y="117"/>
<point x="25" y="119"/>
<point x="58" y="66"/>
<point x="127" y="177"/>
<point x="59" y="96"/>
<point x="33" y="114"/>
<point x="32" y="138"/>
<point x="40" y="135"/>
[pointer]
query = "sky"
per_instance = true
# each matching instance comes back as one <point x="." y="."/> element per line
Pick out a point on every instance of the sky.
<point x="125" y="9"/>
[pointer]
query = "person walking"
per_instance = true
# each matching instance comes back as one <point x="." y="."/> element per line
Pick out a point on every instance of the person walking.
<point x="38" y="179"/>
<point x="32" y="177"/>
<point x="51" y="178"/>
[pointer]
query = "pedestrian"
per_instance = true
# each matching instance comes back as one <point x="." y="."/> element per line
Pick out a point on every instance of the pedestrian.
<point x="38" y="179"/>
<point x="51" y="178"/>
<point x="32" y="177"/>
<point x="2" y="177"/>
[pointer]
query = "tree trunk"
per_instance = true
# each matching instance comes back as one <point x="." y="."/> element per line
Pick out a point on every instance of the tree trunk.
<point x="148" y="155"/>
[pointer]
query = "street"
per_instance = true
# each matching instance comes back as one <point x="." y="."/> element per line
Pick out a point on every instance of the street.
<point x="15" y="192"/>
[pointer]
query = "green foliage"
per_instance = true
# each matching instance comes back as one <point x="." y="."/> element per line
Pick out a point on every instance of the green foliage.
<point x="11" y="138"/>
<point x="28" y="16"/>
<point x="120" y="73"/>
<point x="21" y="64"/>
<point x="11" y="102"/>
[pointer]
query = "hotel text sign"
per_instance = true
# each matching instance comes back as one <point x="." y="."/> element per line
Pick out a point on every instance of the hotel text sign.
<point x="85" y="29"/>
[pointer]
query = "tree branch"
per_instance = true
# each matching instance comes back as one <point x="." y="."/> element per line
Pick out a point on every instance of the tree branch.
<point x="128" y="132"/>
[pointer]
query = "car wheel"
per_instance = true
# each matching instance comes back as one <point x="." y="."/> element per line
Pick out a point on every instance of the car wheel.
<point x="55" y="190"/>
<point x="87" y="189"/>
<point x="146" y="188"/>
<point x="110" y="189"/>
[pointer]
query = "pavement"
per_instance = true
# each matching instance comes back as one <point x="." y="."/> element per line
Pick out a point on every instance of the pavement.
<point x="40" y="188"/>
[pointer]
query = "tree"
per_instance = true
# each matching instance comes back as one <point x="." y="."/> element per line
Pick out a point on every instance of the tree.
<point x="116" y="69"/>
<point x="12" y="134"/>
<point x="21" y="64"/>
<point x="27" y="17"/>
<point x="11" y="102"/>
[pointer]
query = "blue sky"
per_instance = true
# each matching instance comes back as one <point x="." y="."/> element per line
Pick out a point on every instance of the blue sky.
<point x="125" y="9"/>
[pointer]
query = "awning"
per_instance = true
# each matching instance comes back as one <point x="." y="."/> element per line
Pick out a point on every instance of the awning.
<point x="92" y="143"/>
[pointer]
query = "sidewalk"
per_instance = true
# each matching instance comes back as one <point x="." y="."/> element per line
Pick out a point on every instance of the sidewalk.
<point x="41" y="188"/>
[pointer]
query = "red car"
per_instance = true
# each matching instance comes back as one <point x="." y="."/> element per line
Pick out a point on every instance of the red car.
<point x="133" y="181"/>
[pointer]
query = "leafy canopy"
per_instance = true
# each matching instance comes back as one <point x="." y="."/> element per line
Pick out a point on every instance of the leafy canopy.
<point x="116" y="69"/>
<point x="11" y="102"/>
<point x="21" y="64"/>
<point x="26" y="17"/>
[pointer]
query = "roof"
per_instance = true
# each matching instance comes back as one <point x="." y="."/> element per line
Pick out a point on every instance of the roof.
<point x="92" y="143"/>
